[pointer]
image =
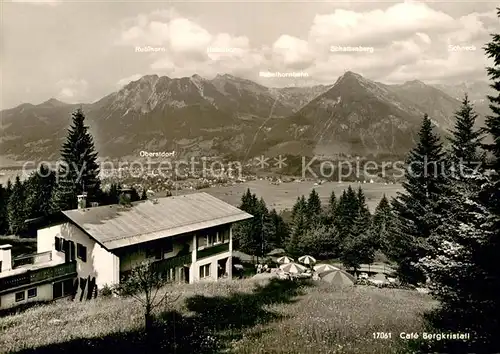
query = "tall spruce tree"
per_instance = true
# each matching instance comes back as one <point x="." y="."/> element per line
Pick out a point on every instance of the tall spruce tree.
<point x="347" y="212"/>
<point x="314" y="210"/>
<point x="39" y="189"/>
<point x="299" y="226"/>
<point x="425" y="180"/>
<point x="465" y="139"/>
<point x="492" y="50"/>
<point x="79" y="171"/>
<point x="281" y="231"/>
<point x="247" y="233"/>
<point x="4" y="218"/>
<point x="362" y="222"/>
<point x="382" y="223"/>
<point x="17" y="208"/>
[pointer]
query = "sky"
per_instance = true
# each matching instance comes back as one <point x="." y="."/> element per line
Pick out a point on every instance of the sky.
<point x="83" y="51"/>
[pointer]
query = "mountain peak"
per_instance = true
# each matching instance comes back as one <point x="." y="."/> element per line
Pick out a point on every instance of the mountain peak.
<point x="53" y="102"/>
<point x="416" y="83"/>
<point x="350" y="76"/>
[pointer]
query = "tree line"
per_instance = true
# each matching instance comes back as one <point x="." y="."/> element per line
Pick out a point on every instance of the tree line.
<point x="47" y="191"/>
<point x="342" y="229"/>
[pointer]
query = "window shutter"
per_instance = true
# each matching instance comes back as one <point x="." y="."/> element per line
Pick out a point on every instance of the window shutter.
<point x="73" y="251"/>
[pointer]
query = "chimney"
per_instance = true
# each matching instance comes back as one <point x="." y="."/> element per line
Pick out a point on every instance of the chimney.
<point x="125" y="195"/>
<point x="82" y="200"/>
<point x="5" y="258"/>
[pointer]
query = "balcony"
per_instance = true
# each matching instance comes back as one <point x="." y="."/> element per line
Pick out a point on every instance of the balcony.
<point x="210" y="251"/>
<point x="169" y="263"/>
<point x="32" y="259"/>
<point x="35" y="276"/>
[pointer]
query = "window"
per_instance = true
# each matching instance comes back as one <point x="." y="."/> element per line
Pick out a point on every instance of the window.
<point x="205" y="271"/>
<point x="167" y="245"/>
<point x="20" y="296"/>
<point x="81" y="252"/>
<point x="225" y="235"/>
<point x="59" y="244"/>
<point x="202" y="242"/>
<point x="32" y="293"/>
<point x="158" y="249"/>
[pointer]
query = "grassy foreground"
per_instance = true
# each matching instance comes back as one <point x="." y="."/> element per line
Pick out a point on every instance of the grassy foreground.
<point x="242" y="316"/>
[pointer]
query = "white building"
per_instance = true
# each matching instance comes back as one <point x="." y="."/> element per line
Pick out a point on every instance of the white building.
<point x="188" y="237"/>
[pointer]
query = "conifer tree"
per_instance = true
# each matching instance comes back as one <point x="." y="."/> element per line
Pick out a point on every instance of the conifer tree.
<point x="362" y="221"/>
<point x="39" y="190"/>
<point x="382" y="223"/>
<point x="465" y="139"/>
<point x="16" y="208"/>
<point x="281" y="232"/>
<point x="5" y="207"/>
<point x="425" y="179"/>
<point x="347" y="212"/>
<point x="314" y="210"/>
<point x="4" y="219"/>
<point x="492" y="50"/>
<point x="79" y="171"/>
<point x="299" y="226"/>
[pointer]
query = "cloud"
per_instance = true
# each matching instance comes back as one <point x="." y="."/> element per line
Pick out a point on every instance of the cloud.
<point x="39" y="2"/>
<point x="410" y="40"/>
<point x="72" y="90"/>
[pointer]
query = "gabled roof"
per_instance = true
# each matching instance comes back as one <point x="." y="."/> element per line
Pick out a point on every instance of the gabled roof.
<point x="115" y="226"/>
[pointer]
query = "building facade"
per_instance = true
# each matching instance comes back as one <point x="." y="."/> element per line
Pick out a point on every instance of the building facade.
<point x="188" y="238"/>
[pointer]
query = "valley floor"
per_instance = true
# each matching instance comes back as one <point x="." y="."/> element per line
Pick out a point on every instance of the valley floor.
<point x="285" y="195"/>
<point x="239" y="316"/>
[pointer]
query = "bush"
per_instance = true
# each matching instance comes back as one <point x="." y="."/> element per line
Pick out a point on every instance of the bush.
<point x="106" y="291"/>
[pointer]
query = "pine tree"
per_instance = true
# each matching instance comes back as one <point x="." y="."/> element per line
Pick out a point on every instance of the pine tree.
<point x="362" y="221"/>
<point x="461" y="270"/>
<point x="314" y="210"/>
<point x="492" y="50"/>
<point x="281" y="232"/>
<point x="248" y="233"/>
<point x="79" y="171"/>
<point x="299" y="226"/>
<point x="347" y="212"/>
<point x="39" y="189"/>
<point x="4" y="219"/>
<point x="382" y="223"/>
<point x="465" y="139"/>
<point x="17" y="208"/>
<point x="425" y="179"/>
<point x="7" y="191"/>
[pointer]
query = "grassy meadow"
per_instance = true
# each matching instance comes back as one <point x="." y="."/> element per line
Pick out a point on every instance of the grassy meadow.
<point x="238" y="316"/>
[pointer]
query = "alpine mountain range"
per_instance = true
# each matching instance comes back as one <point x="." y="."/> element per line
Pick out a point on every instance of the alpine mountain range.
<point x="238" y="118"/>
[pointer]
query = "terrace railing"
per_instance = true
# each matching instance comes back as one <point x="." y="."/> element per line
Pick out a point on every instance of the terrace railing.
<point x="32" y="259"/>
<point x="169" y="263"/>
<point x="210" y="251"/>
<point x="37" y="276"/>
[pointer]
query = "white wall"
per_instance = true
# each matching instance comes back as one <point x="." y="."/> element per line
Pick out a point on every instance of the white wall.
<point x="101" y="264"/>
<point x="195" y="267"/>
<point x="44" y="293"/>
